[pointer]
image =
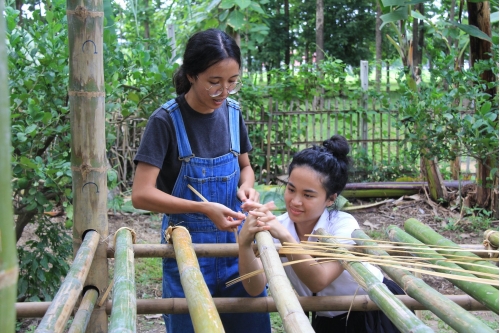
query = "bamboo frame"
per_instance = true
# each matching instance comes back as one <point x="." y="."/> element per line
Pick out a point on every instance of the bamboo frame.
<point x="427" y="235"/>
<point x="57" y="315"/>
<point x="485" y="294"/>
<point x="452" y="314"/>
<point x="82" y="316"/>
<point x="292" y="314"/>
<point x="401" y="316"/>
<point x="258" y="304"/>
<point x="204" y="315"/>
<point x="124" y="317"/>
<point x="9" y="269"/>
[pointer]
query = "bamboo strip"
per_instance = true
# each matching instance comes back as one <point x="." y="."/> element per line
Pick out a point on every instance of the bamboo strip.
<point x="123" y="317"/>
<point x="452" y="314"/>
<point x="60" y="309"/>
<point x="258" y="304"/>
<point x="292" y="314"/>
<point x="427" y="235"/>
<point x="82" y="316"/>
<point x="485" y="294"/>
<point x="401" y="316"/>
<point x="201" y="306"/>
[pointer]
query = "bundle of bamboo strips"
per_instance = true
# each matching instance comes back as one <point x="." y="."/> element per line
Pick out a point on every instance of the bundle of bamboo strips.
<point x="204" y="315"/>
<point x="292" y="314"/>
<point x="452" y="314"/>
<point x="485" y="294"/>
<point x="57" y="315"/>
<point x="123" y="315"/>
<point x="398" y="313"/>
<point x="82" y="316"/>
<point x="427" y="235"/>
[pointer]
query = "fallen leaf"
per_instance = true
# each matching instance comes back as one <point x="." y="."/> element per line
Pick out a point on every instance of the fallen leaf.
<point x="371" y="225"/>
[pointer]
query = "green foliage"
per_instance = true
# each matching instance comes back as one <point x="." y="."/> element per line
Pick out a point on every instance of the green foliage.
<point x="474" y="219"/>
<point x="43" y="263"/>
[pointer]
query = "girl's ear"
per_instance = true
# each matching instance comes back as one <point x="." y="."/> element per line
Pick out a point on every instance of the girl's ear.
<point x="331" y="200"/>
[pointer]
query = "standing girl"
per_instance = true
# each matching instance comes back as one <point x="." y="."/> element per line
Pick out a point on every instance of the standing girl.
<point x="200" y="139"/>
<point x="316" y="176"/>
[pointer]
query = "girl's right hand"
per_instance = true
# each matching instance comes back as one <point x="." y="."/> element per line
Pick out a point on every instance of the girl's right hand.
<point x="224" y="218"/>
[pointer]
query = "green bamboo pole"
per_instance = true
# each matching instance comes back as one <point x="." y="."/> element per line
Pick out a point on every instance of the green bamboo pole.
<point x="57" y="315"/>
<point x="204" y="315"/>
<point x="396" y="311"/>
<point x="259" y="304"/>
<point x="289" y="308"/>
<point x="492" y="237"/>
<point x="452" y="314"/>
<point x="86" y="94"/>
<point x="124" y="315"/>
<point x="8" y="251"/>
<point x="483" y="293"/>
<point x="427" y="235"/>
<point x="82" y="316"/>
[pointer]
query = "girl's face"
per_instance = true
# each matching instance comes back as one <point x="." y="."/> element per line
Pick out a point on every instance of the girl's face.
<point x="305" y="197"/>
<point x="224" y="73"/>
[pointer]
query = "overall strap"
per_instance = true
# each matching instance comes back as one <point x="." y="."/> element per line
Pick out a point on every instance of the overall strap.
<point x="185" y="153"/>
<point x="234" y="125"/>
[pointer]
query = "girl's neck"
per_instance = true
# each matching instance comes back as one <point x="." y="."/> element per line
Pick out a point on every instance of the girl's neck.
<point x="303" y="230"/>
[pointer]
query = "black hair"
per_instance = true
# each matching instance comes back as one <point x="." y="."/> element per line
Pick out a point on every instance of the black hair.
<point x="204" y="49"/>
<point x="330" y="160"/>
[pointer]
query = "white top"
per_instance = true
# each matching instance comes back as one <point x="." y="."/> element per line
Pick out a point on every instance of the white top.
<point x="341" y="224"/>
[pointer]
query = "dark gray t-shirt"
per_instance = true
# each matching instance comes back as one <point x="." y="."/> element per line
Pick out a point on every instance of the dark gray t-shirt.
<point x="208" y="136"/>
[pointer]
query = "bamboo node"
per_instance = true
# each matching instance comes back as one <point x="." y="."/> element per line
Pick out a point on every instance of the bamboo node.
<point x="116" y="232"/>
<point x="168" y="233"/>
<point x="493" y="250"/>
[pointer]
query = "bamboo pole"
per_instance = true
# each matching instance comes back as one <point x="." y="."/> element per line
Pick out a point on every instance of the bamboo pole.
<point x="86" y="93"/>
<point x="123" y="316"/>
<point x="65" y="299"/>
<point x="492" y="237"/>
<point x="8" y="252"/>
<point x="452" y="314"/>
<point x="82" y="316"/>
<point x="201" y="306"/>
<point x="258" y="304"/>
<point x="485" y="294"/>
<point x="231" y="250"/>
<point x="427" y="235"/>
<point x="291" y="313"/>
<point x="401" y="316"/>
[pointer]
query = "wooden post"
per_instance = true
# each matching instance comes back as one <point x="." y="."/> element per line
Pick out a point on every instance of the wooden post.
<point x="88" y="142"/>
<point x="364" y="119"/>
<point x="8" y="254"/>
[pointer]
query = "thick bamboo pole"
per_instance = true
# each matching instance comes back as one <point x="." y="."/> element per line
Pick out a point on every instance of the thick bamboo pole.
<point x="204" y="315"/>
<point x="61" y="307"/>
<point x="292" y="314"/>
<point x="8" y="253"/>
<point x="452" y="314"/>
<point x="259" y="304"/>
<point x="483" y="293"/>
<point x="396" y="311"/>
<point x="123" y="316"/>
<point x="427" y="235"/>
<point x="231" y="250"/>
<point x="82" y="316"/>
<point x="86" y="94"/>
<point x="390" y="189"/>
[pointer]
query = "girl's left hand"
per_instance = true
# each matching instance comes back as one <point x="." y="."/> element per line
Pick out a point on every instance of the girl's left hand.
<point x="248" y="194"/>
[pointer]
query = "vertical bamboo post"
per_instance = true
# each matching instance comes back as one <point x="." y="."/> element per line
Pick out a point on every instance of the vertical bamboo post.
<point x="64" y="301"/>
<point x="289" y="308"/>
<point x="364" y="119"/>
<point x="84" y="312"/>
<point x="124" y="311"/>
<point x="452" y="314"/>
<point x="88" y="144"/>
<point x="202" y="310"/>
<point x="8" y="252"/>
<point x="396" y="311"/>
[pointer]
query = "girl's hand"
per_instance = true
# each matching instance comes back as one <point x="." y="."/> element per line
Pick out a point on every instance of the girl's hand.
<point x="248" y="194"/>
<point x="224" y="218"/>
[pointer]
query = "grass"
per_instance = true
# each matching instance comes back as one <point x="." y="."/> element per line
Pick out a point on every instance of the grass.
<point x="439" y="326"/>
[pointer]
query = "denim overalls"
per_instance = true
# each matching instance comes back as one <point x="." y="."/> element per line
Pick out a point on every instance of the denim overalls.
<point x="217" y="180"/>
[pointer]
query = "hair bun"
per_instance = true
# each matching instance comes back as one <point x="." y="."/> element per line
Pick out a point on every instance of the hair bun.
<point x="337" y="145"/>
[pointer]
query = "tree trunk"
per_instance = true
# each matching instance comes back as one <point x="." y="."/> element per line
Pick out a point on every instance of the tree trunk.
<point x="287" y="30"/>
<point x="146" y="19"/>
<point x="88" y="150"/>
<point x="320" y="18"/>
<point x="8" y="255"/>
<point x="378" y="48"/>
<point x="479" y="16"/>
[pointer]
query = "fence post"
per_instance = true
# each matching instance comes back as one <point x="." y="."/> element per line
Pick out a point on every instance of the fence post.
<point x="364" y="119"/>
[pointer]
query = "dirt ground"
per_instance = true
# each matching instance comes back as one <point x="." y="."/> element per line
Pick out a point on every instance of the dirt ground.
<point x="372" y="220"/>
